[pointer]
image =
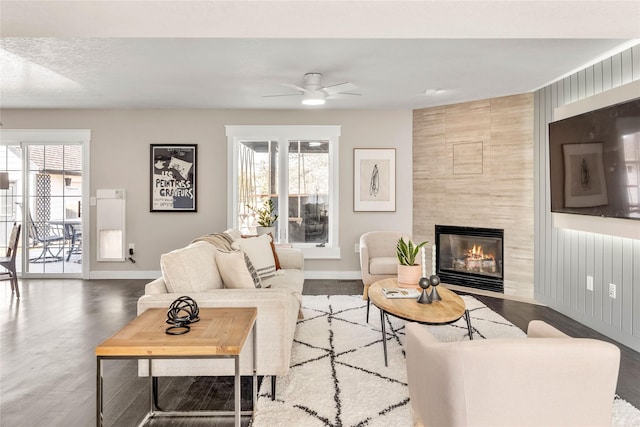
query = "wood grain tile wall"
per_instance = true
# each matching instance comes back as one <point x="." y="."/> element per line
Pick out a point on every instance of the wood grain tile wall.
<point x="473" y="166"/>
<point x="563" y="258"/>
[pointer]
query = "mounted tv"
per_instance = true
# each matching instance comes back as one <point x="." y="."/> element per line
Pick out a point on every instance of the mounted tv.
<point x="594" y="162"/>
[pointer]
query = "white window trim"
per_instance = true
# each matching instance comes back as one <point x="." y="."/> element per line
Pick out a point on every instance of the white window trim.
<point x="283" y="134"/>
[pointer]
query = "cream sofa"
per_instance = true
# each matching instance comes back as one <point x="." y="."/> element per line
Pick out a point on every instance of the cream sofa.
<point x="548" y="379"/>
<point x="199" y="272"/>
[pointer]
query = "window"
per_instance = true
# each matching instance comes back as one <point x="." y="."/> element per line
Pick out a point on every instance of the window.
<point x="296" y="168"/>
<point x="632" y="163"/>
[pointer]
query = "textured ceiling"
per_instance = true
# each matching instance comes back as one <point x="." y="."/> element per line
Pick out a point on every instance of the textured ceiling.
<point x="174" y="54"/>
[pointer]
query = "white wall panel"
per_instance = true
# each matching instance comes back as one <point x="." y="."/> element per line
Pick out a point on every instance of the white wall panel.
<point x="564" y="257"/>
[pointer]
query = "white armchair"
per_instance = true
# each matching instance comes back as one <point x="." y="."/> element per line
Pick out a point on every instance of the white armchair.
<point x="548" y="379"/>
<point x="378" y="258"/>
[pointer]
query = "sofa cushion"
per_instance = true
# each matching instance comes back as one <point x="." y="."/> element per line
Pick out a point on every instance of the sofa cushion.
<point x="260" y="253"/>
<point x="290" y="279"/>
<point x="237" y="270"/>
<point x="191" y="269"/>
<point x="383" y="265"/>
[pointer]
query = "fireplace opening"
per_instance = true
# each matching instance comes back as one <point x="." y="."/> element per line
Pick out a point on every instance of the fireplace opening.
<point x="470" y="256"/>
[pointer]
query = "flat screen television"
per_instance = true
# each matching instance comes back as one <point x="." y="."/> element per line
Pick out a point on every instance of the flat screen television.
<point x="594" y="162"/>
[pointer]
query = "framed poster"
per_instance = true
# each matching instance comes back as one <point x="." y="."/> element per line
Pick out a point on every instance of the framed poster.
<point x="584" y="180"/>
<point x="374" y="179"/>
<point x="173" y="178"/>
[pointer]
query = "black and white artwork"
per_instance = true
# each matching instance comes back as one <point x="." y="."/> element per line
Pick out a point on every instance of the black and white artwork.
<point x="584" y="179"/>
<point x="173" y="178"/>
<point x="374" y="179"/>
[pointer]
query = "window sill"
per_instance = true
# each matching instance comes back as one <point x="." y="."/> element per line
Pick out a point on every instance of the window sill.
<point x="312" y="252"/>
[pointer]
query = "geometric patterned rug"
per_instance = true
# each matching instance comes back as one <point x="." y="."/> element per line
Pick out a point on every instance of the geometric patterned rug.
<point x="338" y="378"/>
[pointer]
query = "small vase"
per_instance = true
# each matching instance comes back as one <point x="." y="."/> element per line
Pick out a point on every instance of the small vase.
<point x="409" y="275"/>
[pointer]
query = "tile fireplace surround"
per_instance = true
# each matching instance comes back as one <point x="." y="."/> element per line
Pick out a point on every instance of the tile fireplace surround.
<point x="450" y="188"/>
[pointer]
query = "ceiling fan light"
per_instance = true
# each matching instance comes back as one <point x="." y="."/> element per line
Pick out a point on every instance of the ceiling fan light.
<point x="313" y="101"/>
<point x="313" y="98"/>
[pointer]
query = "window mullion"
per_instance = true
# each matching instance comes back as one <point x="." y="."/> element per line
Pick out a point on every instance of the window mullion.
<point x="283" y="191"/>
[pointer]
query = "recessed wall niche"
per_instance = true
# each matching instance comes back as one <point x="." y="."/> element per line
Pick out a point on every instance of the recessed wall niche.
<point x="467" y="158"/>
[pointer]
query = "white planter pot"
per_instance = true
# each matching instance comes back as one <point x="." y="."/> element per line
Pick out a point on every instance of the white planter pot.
<point x="409" y="275"/>
<point x="266" y="230"/>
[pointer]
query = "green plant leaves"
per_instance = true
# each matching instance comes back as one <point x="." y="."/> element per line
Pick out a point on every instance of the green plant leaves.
<point x="407" y="251"/>
<point x="266" y="218"/>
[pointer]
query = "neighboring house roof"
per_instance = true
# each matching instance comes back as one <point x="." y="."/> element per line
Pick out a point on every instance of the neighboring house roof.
<point x="57" y="158"/>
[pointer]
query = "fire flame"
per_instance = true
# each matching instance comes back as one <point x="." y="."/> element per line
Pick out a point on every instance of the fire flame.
<point x="477" y="253"/>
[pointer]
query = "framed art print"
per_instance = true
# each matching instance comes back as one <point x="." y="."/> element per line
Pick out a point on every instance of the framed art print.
<point x="173" y="178"/>
<point x="374" y="179"/>
<point x="584" y="180"/>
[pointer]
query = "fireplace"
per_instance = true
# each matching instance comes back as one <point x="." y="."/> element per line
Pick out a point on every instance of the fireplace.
<point x="470" y="256"/>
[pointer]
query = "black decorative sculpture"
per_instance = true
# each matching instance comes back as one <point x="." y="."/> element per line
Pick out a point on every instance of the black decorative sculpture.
<point x="424" y="296"/>
<point x="182" y="312"/>
<point x="434" y="281"/>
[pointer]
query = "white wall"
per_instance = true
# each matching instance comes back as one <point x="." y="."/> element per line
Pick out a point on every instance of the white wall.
<point x="120" y="159"/>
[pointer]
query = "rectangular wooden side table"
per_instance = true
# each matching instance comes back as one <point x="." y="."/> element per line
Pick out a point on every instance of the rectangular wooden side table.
<point x="220" y="333"/>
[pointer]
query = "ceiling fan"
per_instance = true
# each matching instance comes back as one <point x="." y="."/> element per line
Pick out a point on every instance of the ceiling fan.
<point x="313" y="93"/>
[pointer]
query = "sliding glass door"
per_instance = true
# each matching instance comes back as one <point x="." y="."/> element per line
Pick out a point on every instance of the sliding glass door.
<point x="45" y="196"/>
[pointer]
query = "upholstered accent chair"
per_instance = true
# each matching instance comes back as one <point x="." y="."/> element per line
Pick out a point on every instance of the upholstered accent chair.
<point x="378" y="258"/>
<point x="547" y="379"/>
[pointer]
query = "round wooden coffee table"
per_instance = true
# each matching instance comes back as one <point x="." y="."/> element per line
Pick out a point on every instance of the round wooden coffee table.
<point x="448" y="310"/>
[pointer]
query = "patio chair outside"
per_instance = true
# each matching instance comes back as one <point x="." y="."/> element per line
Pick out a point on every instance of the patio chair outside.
<point x="9" y="261"/>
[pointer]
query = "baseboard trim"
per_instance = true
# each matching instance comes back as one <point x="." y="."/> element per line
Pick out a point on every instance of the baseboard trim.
<point x="327" y="275"/>
<point x="124" y="275"/>
<point x="492" y="294"/>
<point x="311" y="275"/>
<point x="335" y="275"/>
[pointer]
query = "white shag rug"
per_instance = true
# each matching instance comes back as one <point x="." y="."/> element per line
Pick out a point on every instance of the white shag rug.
<point x="338" y="378"/>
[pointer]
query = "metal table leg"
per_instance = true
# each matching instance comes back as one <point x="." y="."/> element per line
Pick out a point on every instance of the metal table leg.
<point x="368" y="304"/>
<point x="154" y="386"/>
<point x="255" y="371"/>
<point x="468" y="318"/>
<point x="99" y="393"/>
<point x="384" y="335"/>
<point x="236" y="389"/>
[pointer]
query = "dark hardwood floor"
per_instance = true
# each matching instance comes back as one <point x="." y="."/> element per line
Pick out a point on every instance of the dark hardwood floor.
<point x="47" y="359"/>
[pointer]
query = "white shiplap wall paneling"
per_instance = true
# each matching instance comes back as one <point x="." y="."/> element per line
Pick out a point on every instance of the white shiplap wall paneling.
<point x="565" y="257"/>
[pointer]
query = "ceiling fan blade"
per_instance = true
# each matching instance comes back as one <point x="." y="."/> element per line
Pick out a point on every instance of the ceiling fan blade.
<point x="296" y="87"/>
<point x="341" y="95"/>
<point x="339" y="88"/>
<point x="282" y="94"/>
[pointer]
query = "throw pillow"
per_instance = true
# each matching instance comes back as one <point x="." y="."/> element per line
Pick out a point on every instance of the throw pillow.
<point x="275" y="253"/>
<point x="273" y="248"/>
<point x="252" y="271"/>
<point x="234" y="233"/>
<point x="191" y="269"/>
<point x="237" y="271"/>
<point x="260" y="253"/>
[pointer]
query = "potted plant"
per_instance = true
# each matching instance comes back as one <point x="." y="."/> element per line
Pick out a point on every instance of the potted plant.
<point x="266" y="218"/>
<point x="409" y="272"/>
